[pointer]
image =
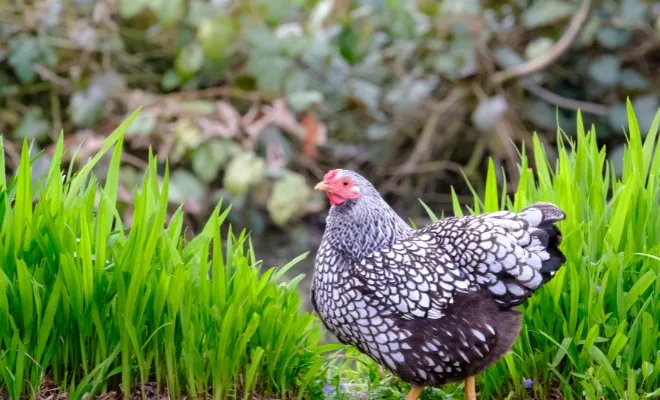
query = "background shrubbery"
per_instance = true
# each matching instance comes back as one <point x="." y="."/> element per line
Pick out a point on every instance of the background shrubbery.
<point x="243" y="96"/>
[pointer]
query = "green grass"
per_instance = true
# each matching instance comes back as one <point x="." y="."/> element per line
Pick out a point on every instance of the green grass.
<point x="96" y="305"/>
<point x="593" y="331"/>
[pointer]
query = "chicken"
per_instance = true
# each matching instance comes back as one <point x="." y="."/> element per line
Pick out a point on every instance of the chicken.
<point x="433" y="305"/>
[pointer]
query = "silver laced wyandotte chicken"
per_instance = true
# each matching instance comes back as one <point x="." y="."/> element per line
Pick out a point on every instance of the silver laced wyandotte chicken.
<point x="433" y="305"/>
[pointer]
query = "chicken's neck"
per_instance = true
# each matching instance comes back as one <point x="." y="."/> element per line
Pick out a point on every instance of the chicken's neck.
<point x="359" y="229"/>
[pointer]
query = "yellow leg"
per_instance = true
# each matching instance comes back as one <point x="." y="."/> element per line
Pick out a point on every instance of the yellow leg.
<point x="415" y="392"/>
<point x="470" y="390"/>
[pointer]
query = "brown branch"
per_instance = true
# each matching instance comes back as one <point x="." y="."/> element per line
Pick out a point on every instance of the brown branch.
<point x="224" y="91"/>
<point x="502" y="129"/>
<point x="50" y="76"/>
<point x="433" y="166"/>
<point x="424" y="141"/>
<point x="640" y="51"/>
<point x="13" y="158"/>
<point x="552" y="54"/>
<point x="134" y="161"/>
<point x="423" y="145"/>
<point x="564" y="102"/>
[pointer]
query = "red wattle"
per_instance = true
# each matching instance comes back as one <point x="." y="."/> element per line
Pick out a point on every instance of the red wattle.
<point x="335" y="200"/>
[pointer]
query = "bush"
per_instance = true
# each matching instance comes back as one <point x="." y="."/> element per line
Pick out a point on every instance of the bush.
<point x="91" y="303"/>
<point x="412" y="88"/>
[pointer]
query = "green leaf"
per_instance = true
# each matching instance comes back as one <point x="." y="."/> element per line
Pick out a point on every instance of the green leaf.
<point x="632" y="79"/>
<point x="349" y="44"/>
<point x="269" y="71"/>
<point x="602" y="360"/>
<point x="646" y="108"/>
<point x="24" y="198"/>
<point x="87" y="105"/>
<point x="301" y="101"/>
<point x="547" y="12"/>
<point x="469" y="7"/>
<point x="216" y="36"/>
<point x="640" y="286"/>
<point x="243" y="170"/>
<point x="319" y="15"/>
<point x="491" y="195"/>
<point x="189" y="60"/>
<point x="507" y="57"/>
<point x="46" y="324"/>
<point x="210" y="158"/>
<point x="488" y="112"/>
<point x="33" y="126"/>
<point x="290" y="194"/>
<point x="612" y="38"/>
<point x="142" y="126"/>
<point x="170" y="80"/>
<point x="168" y="11"/>
<point x="430" y="213"/>
<point x="634" y="10"/>
<point x="538" y="47"/>
<point x="26" y="51"/>
<point x="605" y="70"/>
<point x="456" y="205"/>
<point x="131" y="8"/>
<point x="3" y="176"/>
<point x="186" y="187"/>
<point x="85" y="110"/>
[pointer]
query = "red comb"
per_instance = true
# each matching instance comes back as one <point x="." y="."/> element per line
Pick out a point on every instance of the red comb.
<point x="331" y="174"/>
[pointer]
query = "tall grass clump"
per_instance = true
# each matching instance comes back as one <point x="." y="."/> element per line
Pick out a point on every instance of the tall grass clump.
<point x="593" y="331"/>
<point x="95" y="306"/>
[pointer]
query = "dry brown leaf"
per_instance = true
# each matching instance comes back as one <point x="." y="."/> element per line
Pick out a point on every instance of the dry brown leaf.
<point x="283" y="117"/>
<point x="103" y="14"/>
<point x="167" y="144"/>
<point x="254" y="121"/>
<point x="315" y="135"/>
<point x="227" y="126"/>
<point x="170" y="107"/>
<point x="124" y="194"/>
<point x="212" y="128"/>
<point x="230" y="116"/>
<point x="48" y="390"/>
<point x="192" y="206"/>
<point x="138" y="98"/>
<point x="84" y="143"/>
<point x="275" y="155"/>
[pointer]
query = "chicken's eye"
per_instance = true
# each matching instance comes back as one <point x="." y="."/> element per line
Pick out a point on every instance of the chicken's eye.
<point x="345" y="183"/>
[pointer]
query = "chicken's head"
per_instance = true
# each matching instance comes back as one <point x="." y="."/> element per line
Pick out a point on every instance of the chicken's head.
<point x="339" y="187"/>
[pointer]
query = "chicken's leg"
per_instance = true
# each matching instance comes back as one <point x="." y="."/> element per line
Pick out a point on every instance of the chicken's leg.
<point x="415" y="392"/>
<point x="470" y="391"/>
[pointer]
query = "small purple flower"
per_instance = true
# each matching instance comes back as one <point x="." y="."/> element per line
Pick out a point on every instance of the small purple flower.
<point x="330" y="388"/>
<point x="598" y="288"/>
<point x="528" y="383"/>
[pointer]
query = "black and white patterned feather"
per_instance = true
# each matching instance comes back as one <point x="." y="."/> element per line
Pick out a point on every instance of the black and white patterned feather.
<point x="432" y="305"/>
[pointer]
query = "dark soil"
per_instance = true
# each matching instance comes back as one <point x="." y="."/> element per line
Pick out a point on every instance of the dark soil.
<point x="50" y="391"/>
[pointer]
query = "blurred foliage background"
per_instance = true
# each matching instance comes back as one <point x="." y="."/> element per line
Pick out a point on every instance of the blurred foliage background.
<point x="253" y="100"/>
